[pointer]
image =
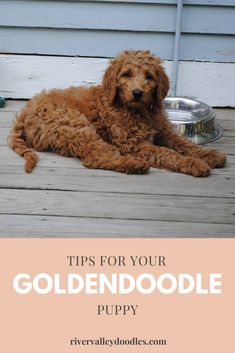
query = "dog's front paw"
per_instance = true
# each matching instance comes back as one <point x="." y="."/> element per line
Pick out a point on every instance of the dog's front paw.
<point x="200" y="168"/>
<point x="214" y="159"/>
<point x="137" y="167"/>
<point x="195" y="167"/>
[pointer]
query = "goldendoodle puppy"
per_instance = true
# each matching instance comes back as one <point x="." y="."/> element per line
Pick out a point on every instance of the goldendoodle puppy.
<point x="118" y="125"/>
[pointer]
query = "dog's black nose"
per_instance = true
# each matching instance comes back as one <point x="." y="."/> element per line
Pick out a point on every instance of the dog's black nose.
<point x="137" y="94"/>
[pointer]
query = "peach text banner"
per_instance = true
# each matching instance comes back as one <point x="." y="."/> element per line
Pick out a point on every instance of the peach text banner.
<point x="67" y="322"/>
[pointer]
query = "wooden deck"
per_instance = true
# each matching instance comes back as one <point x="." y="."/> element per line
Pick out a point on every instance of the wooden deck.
<point x="61" y="198"/>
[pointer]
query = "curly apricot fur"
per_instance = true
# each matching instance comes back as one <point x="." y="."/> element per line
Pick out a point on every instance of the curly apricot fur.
<point x="119" y="125"/>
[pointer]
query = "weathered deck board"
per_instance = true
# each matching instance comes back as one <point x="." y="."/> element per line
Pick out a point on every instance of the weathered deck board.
<point x="117" y="206"/>
<point x="80" y="179"/>
<point x="62" y="198"/>
<point x="42" y="226"/>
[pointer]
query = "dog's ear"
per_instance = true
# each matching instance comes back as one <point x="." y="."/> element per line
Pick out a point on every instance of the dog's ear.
<point x="163" y="85"/>
<point x="110" y="81"/>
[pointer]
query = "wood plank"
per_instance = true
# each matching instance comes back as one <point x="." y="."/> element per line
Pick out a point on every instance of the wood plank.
<point x="212" y="3"/>
<point x="85" y="15"/>
<point x="225" y="114"/>
<point x="31" y="74"/>
<point x="118" y="206"/>
<point x="91" y="43"/>
<point x="207" y="2"/>
<point x="99" y="43"/>
<point x="12" y="106"/>
<point x="225" y="144"/>
<point x="48" y="226"/>
<point x="116" y="16"/>
<point x="194" y="76"/>
<point x="188" y="2"/>
<point x="25" y="76"/>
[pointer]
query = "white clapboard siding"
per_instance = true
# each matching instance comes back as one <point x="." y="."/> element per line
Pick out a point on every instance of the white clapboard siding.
<point x="147" y="17"/>
<point x="186" y="2"/>
<point x="96" y="43"/>
<point x="23" y="76"/>
<point x="102" y="28"/>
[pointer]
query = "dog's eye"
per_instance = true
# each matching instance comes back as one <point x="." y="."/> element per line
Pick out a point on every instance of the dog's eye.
<point x="148" y="76"/>
<point x="126" y="74"/>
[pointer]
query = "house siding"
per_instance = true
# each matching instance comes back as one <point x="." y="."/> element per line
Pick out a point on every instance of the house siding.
<point x="46" y="43"/>
<point x="104" y="28"/>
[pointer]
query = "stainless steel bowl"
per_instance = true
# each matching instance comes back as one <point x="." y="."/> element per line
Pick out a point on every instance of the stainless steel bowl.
<point x="193" y="119"/>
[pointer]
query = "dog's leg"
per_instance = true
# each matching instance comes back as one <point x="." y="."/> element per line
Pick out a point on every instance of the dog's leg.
<point x="162" y="157"/>
<point x="213" y="158"/>
<point x="172" y="140"/>
<point x="85" y="143"/>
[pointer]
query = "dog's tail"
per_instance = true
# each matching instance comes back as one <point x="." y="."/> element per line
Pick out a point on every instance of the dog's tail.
<point x="18" y="144"/>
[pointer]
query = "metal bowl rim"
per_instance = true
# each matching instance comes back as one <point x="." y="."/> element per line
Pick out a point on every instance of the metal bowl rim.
<point x="207" y="109"/>
<point x="209" y="114"/>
